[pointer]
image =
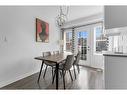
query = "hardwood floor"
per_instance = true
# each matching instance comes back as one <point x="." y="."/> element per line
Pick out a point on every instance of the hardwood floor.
<point x="88" y="78"/>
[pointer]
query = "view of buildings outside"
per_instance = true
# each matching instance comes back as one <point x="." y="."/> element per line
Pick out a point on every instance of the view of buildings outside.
<point x="82" y="44"/>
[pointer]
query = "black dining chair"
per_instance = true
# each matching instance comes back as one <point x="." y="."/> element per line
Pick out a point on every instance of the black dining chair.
<point x="64" y="67"/>
<point x="76" y="63"/>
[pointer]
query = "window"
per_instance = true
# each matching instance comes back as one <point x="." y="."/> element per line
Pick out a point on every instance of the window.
<point x="101" y="41"/>
<point x="82" y="44"/>
<point x="68" y="41"/>
<point x="114" y="42"/>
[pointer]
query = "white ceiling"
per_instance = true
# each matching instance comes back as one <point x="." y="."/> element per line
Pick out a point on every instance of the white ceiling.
<point x="76" y="12"/>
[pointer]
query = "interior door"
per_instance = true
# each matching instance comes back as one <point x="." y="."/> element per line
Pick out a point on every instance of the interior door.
<point x="82" y="42"/>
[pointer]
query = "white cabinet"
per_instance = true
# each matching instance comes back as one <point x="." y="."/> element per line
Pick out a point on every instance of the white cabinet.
<point x="115" y="71"/>
<point x="115" y="16"/>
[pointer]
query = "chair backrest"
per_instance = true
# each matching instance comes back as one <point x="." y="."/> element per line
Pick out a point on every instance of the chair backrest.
<point x="77" y="59"/>
<point x="56" y="52"/>
<point x="46" y="53"/>
<point x="69" y="62"/>
<point x="47" y="62"/>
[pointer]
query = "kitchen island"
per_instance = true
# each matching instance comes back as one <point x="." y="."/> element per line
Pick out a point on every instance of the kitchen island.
<point x="115" y="70"/>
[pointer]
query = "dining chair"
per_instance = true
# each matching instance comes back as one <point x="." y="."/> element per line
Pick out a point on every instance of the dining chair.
<point x="76" y="63"/>
<point x="47" y="63"/>
<point x="56" y="52"/>
<point x="65" y="67"/>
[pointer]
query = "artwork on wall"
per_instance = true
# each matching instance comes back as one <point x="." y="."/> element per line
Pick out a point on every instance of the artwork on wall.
<point x="42" y="31"/>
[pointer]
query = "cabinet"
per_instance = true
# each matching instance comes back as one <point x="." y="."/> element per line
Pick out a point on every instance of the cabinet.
<point x="115" y="71"/>
<point x="115" y="16"/>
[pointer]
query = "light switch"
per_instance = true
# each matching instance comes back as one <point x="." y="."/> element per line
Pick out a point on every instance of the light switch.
<point x="5" y="39"/>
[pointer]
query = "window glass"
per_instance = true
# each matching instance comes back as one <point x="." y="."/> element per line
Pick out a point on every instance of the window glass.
<point x="82" y="44"/>
<point x="68" y="41"/>
<point x="101" y="41"/>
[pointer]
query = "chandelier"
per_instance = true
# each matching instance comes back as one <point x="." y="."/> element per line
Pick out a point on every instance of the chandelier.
<point x="62" y="16"/>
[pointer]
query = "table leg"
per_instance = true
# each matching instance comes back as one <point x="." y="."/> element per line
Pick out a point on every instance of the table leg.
<point x="57" y="75"/>
<point x="40" y="71"/>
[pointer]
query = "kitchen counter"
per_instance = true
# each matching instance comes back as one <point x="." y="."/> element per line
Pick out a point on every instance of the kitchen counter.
<point x="116" y="54"/>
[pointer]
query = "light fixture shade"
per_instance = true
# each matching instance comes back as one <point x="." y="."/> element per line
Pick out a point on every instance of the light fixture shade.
<point x="62" y="17"/>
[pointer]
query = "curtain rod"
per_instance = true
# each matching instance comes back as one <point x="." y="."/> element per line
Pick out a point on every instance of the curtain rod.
<point x="72" y="27"/>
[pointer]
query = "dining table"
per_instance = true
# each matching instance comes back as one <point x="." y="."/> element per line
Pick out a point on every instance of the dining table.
<point x="54" y="59"/>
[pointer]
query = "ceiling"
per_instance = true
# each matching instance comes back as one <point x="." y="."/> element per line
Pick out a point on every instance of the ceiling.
<point x="76" y="12"/>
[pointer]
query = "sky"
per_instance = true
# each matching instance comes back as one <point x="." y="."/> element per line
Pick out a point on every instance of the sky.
<point x="82" y="34"/>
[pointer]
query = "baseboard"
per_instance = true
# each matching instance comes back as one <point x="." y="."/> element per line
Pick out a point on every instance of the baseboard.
<point x="4" y="83"/>
<point x="93" y="68"/>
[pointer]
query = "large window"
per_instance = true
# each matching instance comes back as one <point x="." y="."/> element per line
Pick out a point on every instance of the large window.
<point x="68" y="41"/>
<point x="101" y="41"/>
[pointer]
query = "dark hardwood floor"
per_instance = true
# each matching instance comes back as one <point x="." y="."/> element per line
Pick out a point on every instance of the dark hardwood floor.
<point x="88" y="78"/>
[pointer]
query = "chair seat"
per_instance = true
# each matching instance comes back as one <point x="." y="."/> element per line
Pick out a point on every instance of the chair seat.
<point x="61" y="65"/>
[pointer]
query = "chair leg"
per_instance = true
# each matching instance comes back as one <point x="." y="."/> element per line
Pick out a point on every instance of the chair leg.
<point x="74" y="71"/>
<point x="40" y="71"/>
<point x="54" y="76"/>
<point x="61" y="74"/>
<point x="70" y="75"/>
<point x="63" y="77"/>
<point x="52" y="72"/>
<point x="78" y="68"/>
<point x="45" y="71"/>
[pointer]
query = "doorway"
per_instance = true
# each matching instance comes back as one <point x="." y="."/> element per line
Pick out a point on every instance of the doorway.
<point x="82" y="44"/>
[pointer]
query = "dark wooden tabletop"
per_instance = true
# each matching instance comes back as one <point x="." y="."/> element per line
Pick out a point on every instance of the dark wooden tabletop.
<point x="56" y="58"/>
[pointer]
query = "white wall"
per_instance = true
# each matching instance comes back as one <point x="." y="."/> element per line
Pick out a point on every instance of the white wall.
<point x="17" y="40"/>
